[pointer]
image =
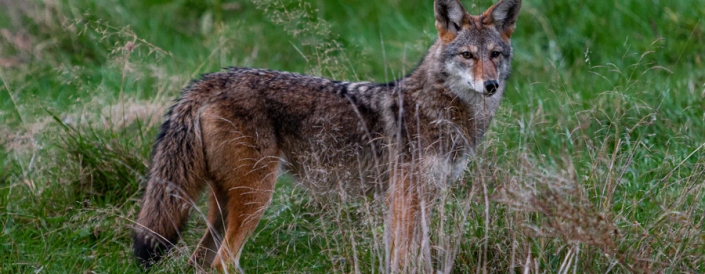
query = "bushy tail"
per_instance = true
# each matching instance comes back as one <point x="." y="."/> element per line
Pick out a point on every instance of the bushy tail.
<point x="175" y="178"/>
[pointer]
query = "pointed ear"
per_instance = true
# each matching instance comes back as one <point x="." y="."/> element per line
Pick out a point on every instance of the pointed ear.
<point x="450" y="17"/>
<point x="504" y="16"/>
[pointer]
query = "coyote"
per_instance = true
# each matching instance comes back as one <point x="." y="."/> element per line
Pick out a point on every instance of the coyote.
<point x="234" y="131"/>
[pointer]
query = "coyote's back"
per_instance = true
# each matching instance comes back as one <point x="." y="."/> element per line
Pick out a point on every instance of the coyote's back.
<point x="233" y="131"/>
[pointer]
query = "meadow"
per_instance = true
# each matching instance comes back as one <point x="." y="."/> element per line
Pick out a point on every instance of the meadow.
<point x="595" y="162"/>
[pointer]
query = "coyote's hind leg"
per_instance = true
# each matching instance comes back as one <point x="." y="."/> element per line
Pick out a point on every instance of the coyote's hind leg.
<point x="210" y="243"/>
<point x="243" y="161"/>
<point x="248" y="198"/>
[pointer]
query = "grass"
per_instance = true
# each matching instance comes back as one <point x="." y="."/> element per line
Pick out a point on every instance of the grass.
<point x="594" y="164"/>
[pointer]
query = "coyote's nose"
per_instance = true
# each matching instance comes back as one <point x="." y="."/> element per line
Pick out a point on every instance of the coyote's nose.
<point x="491" y="86"/>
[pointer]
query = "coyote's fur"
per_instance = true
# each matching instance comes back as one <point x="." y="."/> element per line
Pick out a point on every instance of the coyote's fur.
<point x="233" y="131"/>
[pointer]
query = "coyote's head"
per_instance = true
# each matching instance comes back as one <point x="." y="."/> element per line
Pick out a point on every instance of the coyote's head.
<point x="474" y="51"/>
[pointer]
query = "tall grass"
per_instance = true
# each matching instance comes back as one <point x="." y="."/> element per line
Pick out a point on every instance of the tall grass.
<point x="594" y="163"/>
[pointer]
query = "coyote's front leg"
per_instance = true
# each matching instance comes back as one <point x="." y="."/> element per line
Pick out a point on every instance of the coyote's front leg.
<point x="403" y="201"/>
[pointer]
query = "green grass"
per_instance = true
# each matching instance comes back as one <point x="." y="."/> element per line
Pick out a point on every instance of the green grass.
<point x="602" y="129"/>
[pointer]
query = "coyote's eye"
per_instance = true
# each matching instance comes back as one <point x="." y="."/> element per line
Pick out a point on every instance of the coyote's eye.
<point x="466" y="54"/>
<point x="496" y="54"/>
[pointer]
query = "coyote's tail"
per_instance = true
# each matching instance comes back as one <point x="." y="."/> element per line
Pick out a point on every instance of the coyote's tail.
<point x="176" y="175"/>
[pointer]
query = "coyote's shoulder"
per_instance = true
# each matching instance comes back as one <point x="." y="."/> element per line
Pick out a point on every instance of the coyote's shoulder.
<point x="234" y="130"/>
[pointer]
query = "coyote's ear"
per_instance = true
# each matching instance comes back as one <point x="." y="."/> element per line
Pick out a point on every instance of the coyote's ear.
<point x="504" y="16"/>
<point x="450" y="17"/>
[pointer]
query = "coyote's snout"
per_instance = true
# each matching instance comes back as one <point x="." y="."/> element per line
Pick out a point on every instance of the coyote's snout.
<point x="233" y="131"/>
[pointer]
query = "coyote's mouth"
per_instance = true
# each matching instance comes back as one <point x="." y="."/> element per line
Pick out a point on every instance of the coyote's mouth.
<point x="489" y="93"/>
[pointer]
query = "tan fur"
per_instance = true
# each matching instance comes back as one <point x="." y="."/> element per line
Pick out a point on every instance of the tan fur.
<point x="233" y="131"/>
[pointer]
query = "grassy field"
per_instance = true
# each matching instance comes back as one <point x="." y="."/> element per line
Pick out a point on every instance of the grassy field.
<point x="594" y="164"/>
